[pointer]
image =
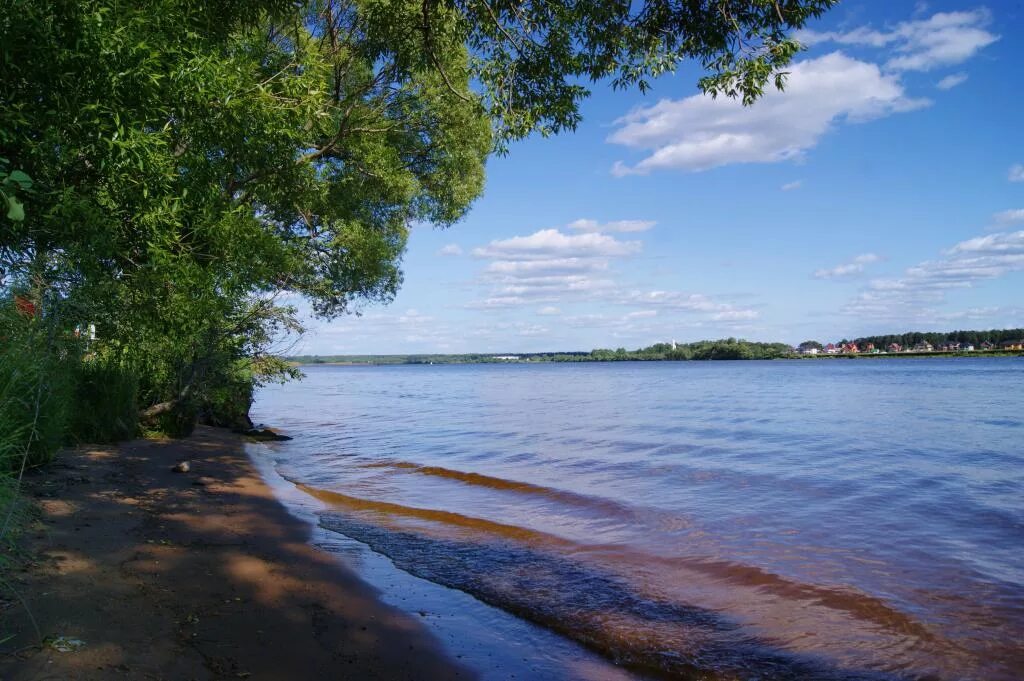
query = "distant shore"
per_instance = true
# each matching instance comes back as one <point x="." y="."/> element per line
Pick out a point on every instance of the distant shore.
<point x="546" y="358"/>
<point x="135" y="571"/>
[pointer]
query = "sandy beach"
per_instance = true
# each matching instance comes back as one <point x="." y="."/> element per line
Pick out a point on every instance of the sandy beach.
<point x="139" y="572"/>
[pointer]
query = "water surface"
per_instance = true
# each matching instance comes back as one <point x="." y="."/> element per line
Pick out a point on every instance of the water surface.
<point x="770" y="520"/>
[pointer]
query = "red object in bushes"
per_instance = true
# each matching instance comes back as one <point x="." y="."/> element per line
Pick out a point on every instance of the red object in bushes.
<point x="25" y="306"/>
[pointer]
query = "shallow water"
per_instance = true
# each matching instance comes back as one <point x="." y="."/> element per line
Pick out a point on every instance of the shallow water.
<point x="771" y="520"/>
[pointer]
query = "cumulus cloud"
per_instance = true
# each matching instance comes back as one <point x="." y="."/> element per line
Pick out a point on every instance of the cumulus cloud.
<point x="790" y="186"/>
<point x="688" y="302"/>
<point x="450" y="249"/>
<point x="546" y="266"/>
<point x="551" y="243"/>
<point x="496" y="303"/>
<point x="549" y="268"/>
<point x="586" y="225"/>
<point x="698" y="133"/>
<point x="993" y="244"/>
<point x="1009" y="217"/>
<point x="735" y="315"/>
<point x="848" y="269"/>
<point x="951" y="81"/>
<point x="1016" y="173"/>
<point x="926" y="284"/>
<point x="944" y="39"/>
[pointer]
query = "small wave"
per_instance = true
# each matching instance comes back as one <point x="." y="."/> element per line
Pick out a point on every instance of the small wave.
<point x="578" y="590"/>
<point x="442" y="517"/>
<point x="595" y="607"/>
<point x="606" y="507"/>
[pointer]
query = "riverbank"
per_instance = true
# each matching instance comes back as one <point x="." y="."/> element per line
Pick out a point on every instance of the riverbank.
<point x="586" y="358"/>
<point x="135" y="571"/>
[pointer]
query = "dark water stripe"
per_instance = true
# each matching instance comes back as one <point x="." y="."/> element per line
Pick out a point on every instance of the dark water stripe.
<point x="860" y="606"/>
<point x="597" y="608"/>
<point x="445" y="517"/>
<point x="606" y="507"/>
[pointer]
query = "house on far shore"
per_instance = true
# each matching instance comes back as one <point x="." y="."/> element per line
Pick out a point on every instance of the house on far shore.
<point x="1013" y="345"/>
<point x="506" y="358"/>
<point x="851" y="348"/>
<point x="966" y="347"/>
<point x="895" y="347"/>
<point x="923" y="346"/>
<point x="987" y="345"/>
<point x="831" y="349"/>
<point x="870" y="348"/>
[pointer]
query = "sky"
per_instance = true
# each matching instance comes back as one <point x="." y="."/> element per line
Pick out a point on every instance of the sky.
<point x="882" y="192"/>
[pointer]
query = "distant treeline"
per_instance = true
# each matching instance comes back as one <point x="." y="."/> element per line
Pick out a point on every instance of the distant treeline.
<point x="726" y="348"/>
<point x="975" y="338"/>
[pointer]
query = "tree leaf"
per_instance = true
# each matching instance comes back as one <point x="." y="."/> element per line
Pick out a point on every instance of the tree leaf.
<point x="21" y="178"/>
<point x="15" y="211"/>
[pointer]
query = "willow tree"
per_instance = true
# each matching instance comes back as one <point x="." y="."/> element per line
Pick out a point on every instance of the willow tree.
<point x="192" y="161"/>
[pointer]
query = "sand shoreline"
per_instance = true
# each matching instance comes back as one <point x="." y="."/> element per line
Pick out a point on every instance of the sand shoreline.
<point x="198" y="575"/>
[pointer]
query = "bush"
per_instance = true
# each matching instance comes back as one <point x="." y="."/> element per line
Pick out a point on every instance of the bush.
<point x="227" y="405"/>
<point x="104" y="405"/>
<point x="35" y="394"/>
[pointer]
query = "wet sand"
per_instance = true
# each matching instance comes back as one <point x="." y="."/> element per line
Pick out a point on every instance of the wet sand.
<point x="197" y="575"/>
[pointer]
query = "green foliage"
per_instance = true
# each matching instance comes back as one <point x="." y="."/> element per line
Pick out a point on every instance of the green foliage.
<point x="190" y="162"/>
<point x="103" y="403"/>
<point x="35" y="388"/>
<point x="532" y="57"/>
<point x="730" y="348"/>
<point x="975" y="338"/>
<point x="13" y="183"/>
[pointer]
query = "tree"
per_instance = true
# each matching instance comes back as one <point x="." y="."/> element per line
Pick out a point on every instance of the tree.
<point x="194" y="162"/>
<point x="809" y="345"/>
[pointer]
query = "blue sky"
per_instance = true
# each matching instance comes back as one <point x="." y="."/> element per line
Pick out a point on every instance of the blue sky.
<point x="883" y="191"/>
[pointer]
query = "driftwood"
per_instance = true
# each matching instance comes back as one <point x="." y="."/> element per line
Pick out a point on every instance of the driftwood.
<point x="151" y="413"/>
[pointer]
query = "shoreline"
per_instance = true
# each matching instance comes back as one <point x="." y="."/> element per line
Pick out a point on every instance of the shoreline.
<point x="202" y="575"/>
<point x="988" y="354"/>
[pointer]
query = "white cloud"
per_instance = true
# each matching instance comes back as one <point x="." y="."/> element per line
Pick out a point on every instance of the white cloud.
<point x="546" y="266"/>
<point x="496" y="302"/>
<point x="450" y="249"/>
<point x="531" y="330"/>
<point x="586" y="225"/>
<point x="542" y="268"/>
<point x="1009" y="217"/>
<point x="698" y="133"/>
<point x="735" y="315"/>
<point x="848" y="269"/>
<point x="925" y="285"/>
<point x="790" y="186"/>
<point x="993" y="244"/>
<point x="1016" y="173"/>
<point x="689" y="302"/>
<point x="944" y="39"/>
<point x="550" y="243"/>
<point x="951" y="81"/>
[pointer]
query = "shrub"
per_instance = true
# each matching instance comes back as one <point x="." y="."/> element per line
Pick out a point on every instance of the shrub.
<point x="104" y="406"/>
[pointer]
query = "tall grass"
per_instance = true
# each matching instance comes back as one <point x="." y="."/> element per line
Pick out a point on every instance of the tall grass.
<point x="103" y="401"/>
<point x="34" y="408"/>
